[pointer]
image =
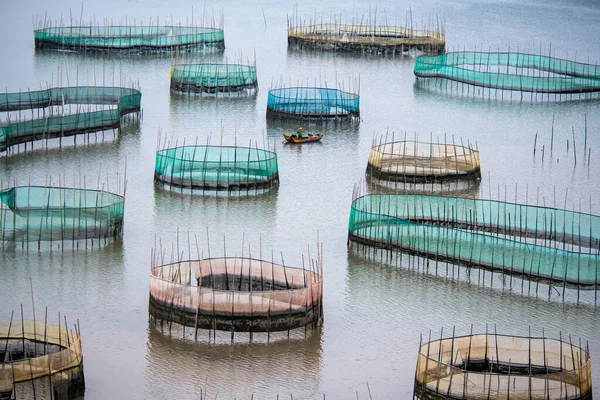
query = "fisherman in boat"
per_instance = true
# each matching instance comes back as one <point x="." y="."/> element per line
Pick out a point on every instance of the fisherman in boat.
<point x="299" y="133"/>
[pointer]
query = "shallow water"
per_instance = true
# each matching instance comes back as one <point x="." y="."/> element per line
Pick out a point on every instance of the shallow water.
<point x="374" y="314"/>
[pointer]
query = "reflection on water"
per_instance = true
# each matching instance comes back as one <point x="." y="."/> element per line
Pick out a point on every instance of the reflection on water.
<point x="181" y="368"/>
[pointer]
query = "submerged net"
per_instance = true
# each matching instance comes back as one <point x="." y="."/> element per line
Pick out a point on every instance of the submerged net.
<point x="120" y="100"/>
<point x="412" y="161"/>
<point x="545" y="244"/>
<point x="36" y="352"/>
<point x="213" y="77"/>
<point x="509" y="71"/>
<point x="217" y="167"/>
<point x="236" y="293"/>
<point x="491" y="366"/>
<point x="312" y="103"/>
<point x="145" y="39"/>
<point x="42" y="213"/>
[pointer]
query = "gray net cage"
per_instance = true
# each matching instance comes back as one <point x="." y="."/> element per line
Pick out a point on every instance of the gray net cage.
<point x="364" y="35"/>
<point x="40" y="360"/>
<point x="493" y="366"/>
<point x="237" y="294"/>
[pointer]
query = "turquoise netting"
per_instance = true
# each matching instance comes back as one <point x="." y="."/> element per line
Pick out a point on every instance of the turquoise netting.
<point x="545" y="243"/>
<point x="217" y="167"/>
<point x="117" y="38"/>
<point x="554" y="75"/>
<point x="123" y="101"/>
<point x="315" y="102"/>
<point x="38" y="213"/>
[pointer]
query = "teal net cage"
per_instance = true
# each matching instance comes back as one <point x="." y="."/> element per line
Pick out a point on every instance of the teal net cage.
<point x="313" y="104"/>
<point x="512" y="72"/>
<point x="549" y="245"/>
<point x="129" y="39"/>
<point x="96" y="108"/>
<point x="217" y="168"/>
<point x="59" y="214"/>
<point x="214" y="78"/>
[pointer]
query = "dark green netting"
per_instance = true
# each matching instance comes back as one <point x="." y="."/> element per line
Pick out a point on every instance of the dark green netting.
<point x="554" y="75"/>
<point x="217" y="167"/>
<point x="545" y="243"/>
<point x="41" y="213"/>
<point x="147" y="39"/>
<point x="124" y="100"/>
<point x="313" y="102"/>
<point x="213" y="77"/>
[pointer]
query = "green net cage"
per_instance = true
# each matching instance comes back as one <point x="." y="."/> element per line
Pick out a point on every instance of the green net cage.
<point x="214" y="78"/>
<point x="317" y="104"/>
<point x="59" y="214"/>
<point x="119" y="101"/>
<point x="543" y="244"/>
<point x="130" y="39"/>
<point x="511" y="71"/>
<point x="228" y="168"/>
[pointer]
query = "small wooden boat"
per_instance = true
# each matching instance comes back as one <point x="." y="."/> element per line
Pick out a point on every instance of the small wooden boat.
<point x="305" y="138"/>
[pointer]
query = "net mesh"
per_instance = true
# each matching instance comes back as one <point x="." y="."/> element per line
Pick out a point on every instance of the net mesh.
<point x="413" y="159"/>
<point x="236" y="287"/>
<point x="489" y="366"/>
<point x="313" y="102"/>
<point x="122" y="101"/>
<point x="546" y="243"/>
<point x="550" y="75"/>
<point x="42" y="213"/>
<point x="118" y="38"/>
<point x="68" y="357"/>
<point x="212" y="76"/>
<point x="217" y="167"/>
<point x="352" y="37"/>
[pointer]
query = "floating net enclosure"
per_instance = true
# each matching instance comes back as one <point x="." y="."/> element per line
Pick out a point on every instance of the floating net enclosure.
<point x="239" y="293"/>
<point x="536" y="74"/>
<point x="557" y="247"/>
<point x="59" y="215"/>
<point x="64" y="111"/>
<point x="492" y="366"/>
<point x="364" y="36"/>
<point x="214" y="79"/>
<point x="313" y="104"/>
<point x="217" y="168"/>
<point x="40" y="360"/>
<point x="130" y="39"/>
<point x="412" y="161"/>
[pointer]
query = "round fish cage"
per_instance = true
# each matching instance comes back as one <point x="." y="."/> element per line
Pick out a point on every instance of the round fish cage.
<point x="56" y="119"/>
<point x="40" y="360"/>
<point x="421" y="162"/>
<point x="366" y="39"/>
<point x="60" y="215"/>
<point x="491" y="366"/>
<point x="313" y="104"/>
<point x="237" y="294"/>
<point x="217" y="168"/>
<point x="557" y="247"/>
<point x="129" y="39"/>
<point x="214" y="78"/>
<point x="519" y="72"/>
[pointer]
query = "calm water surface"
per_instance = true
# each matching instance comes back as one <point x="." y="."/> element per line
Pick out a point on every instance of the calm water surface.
<point x="374" y="314"/>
